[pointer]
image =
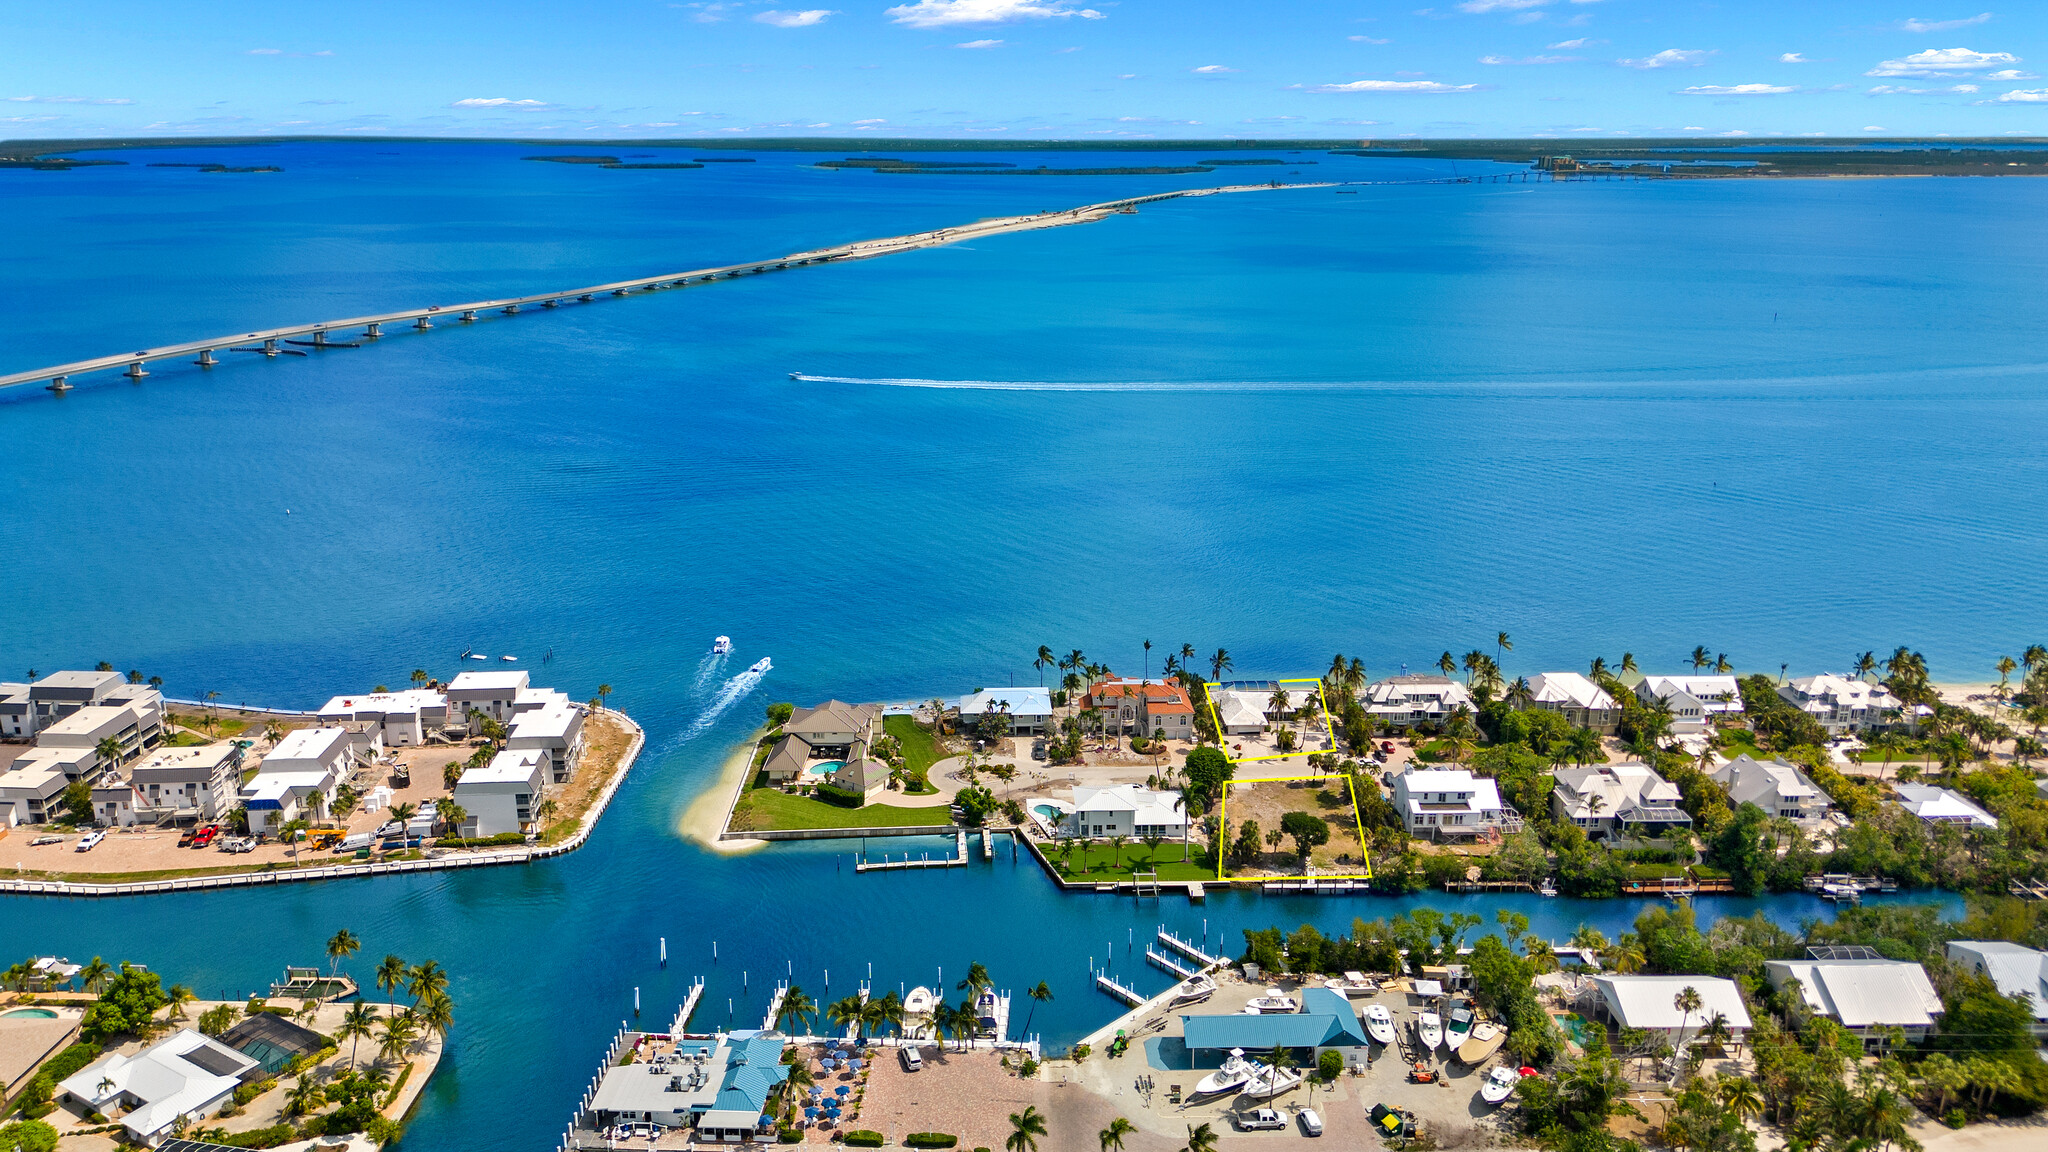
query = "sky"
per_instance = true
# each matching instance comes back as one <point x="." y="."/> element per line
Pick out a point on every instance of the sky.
<point x="1024" y="69"/>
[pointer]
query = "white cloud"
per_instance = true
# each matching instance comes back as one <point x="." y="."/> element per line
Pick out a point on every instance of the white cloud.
<point x="1874" y="128"/>
<point x="1369" y="40"/>
<point x="1941" y="63"/>
<point x="1916" y="25"/>
<point x="497" y="102"/>
<point x="803" y="19"/>
<point x="1581" y="42"/>
<point x="941" y="13"/>
<point x="1212" y="68"/>
<point x="2025" y="96"/>
<point x="1692" y="128"/>
<point x="1530" y="60"/>
<point x="1393" y="86"/>
<point x="1670" y="58"/>
<point x="1793" y="58"/>
<point x="70" y="100"/>
<point x="1500" y="5"/>
<point x="1738" y="90"/>
<point x="1898" y="90"/>
<point x="979" y="44"/>
<point x="266" y="51"/>
<point x="2011" y="74"/>
<point x="876" y="120"/>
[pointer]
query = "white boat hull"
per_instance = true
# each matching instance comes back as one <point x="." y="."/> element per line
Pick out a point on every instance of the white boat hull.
<point x="1272" y="1082"/>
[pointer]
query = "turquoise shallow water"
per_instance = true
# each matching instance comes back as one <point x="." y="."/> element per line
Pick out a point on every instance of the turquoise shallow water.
<point x="1786" y="420"/>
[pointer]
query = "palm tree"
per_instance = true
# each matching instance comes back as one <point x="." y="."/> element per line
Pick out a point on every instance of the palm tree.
<point x="1628" y="663"/>
<point x="289" y="832"/>
<point x="425" y="978"/>
<point x="108" y="750"/>
<point x="451" y="815"/>
<point x="796" y="1005"/>
<point x="1116" y="851"/>
<point x="1148" y="660"/>
<point x="435" y="1013"/>
<point x="96" y="974"/>
<point x="1039" y="994"/>
<point x="1597" y="670"/>
<point x="977" y="978"/>
<point x="846" y="1012"/>
<point x="887" y="1010"/>
<point x="1739" y="1095"/>
<point x="399" y="1033"/>
<point x="1201" y="1138"/>
<point x="390" y="974"/>
<point x="1700" y="659"/>
<point x="1687" y="1002"/>
<point x="1281" y="1056"/>
<point x="1501" y="647"/>
<point x="1025" y="1129"/>
<point x="304" y="1096"/>
<point x="1113" y="1136"/>
<point x="359" y="1022"/>
<point x="1447" y="664"/>
<point x="1219" y="664"/>
<point x="1042" y="661"/>
<point x="419" y="677"/>
<point x="1520" y="693"/>
<point x="341" y="946"/>
<point x="180" y="996"/>
<point x="1626" y="954"/>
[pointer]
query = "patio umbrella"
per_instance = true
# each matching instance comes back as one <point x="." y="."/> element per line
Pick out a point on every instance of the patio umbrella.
<point x="842" y="1090"/>
<point x="811" y="1113"/>
<point x="853" y="1064"/>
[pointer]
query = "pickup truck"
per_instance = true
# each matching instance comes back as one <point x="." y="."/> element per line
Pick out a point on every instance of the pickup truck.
<point x="90" y="840"/>
<point x="204" y="836"/>
<point x="1260" y="1120"/>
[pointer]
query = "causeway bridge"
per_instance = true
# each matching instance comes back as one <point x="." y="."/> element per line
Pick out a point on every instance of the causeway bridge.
<point x="304" y="339"/>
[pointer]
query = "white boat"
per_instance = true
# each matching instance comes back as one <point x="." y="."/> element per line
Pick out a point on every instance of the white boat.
<point x="508" y="658"/>
<point x="1234" y="1073"/>
<point x="721" y="646"/>
<point x="1271" y="1081"/>
<point x="761" y="665"/>
<point x="1841" y="893"/>
<point x="1273" y="1001"/>
<point x="478" y="656"/>
<point x="1500" y="1084"/>
<point x="1485" y="1040"/>
<point x="1379" y="1023"/>
<point x="1193" y="991"/>
<point x="917" y="1010"/>
<point x="1459" y="1029"/>
<point x="1352" y="984"/>
<point x="1429" y="1028"/>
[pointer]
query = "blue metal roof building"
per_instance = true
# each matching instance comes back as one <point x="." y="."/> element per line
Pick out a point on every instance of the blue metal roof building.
<point x="1326" y="1020"/>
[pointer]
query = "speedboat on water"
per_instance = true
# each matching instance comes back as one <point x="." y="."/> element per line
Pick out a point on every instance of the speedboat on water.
<point x="1193" y="990"/>
<point x="508" y="658"/>
<point x="1273" y="1001"/>
<point x="1429" y="1028"/>
<point x="721" y="646"/>
<point x="1500" y="1084"/>
<point x="1271" y="1081"/>
<point x="761" y="665"/>
<point x="1234" y="1074"/>
<point x="1379" y="1023"/>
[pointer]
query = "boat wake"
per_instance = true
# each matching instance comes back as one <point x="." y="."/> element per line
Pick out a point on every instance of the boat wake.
<point x="706" y="669"/>
<point x="729" y="694"/>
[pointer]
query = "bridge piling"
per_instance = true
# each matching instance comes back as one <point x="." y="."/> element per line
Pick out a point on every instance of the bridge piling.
<point x="135" y="371"/>
<point x="206" y="359"/>
<point x="469" y="316"/>
<point x="373" y="332"/>
<point x="551" y="304"/>
<point x="510" y="309"/>
<point x="320" y="338"/>
<point x="270" y="347"/>
<point x="422" y="324"/>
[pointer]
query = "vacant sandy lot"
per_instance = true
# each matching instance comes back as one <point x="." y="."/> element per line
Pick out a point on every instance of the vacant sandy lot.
<point x="1327" y="799"/>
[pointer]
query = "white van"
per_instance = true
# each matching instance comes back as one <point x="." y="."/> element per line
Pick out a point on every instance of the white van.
<point x="353" y="842"/>
<point x="912" y="1060"/>
<point x="1311" y="1124"/>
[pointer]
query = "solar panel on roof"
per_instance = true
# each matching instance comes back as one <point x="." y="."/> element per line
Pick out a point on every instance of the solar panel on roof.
<point x="176" y="1145"/>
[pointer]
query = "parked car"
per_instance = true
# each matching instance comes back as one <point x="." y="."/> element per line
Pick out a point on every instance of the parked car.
<point x="1260" y="1120"/>
<point x="90" y="840"/>
<point x="1311" y="1124"/>
<point x="205" y="836"/>
<point x="913" y="1061"/>
<point x="185" y="837"/>
<point x="235" y="844"/>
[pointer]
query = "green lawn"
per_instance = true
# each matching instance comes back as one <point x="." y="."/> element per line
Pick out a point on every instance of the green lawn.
<point x="1093" y="861"/>
<point x="766" y="809"/>
<point x="920" y="748"/>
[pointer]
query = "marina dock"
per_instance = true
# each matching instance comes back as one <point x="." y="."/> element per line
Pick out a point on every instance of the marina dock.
<point x="775" y="1005"/>
<point x="958" y="859"/>
<point x="688" y="1009"/>
<point x="1167" y="961"/>
<point x="1188" y="950"/>
<point x="1108" y="983"/>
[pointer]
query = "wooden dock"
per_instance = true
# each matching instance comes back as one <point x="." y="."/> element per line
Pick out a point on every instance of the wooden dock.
<point x="1169" y="962"/>
<point x="957" y="860"/>
<point x="1188" y="949"/>
<point x="1108" y="983"/>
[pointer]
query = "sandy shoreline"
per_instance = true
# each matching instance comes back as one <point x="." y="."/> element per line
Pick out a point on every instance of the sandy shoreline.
<point x="704" y="819"/>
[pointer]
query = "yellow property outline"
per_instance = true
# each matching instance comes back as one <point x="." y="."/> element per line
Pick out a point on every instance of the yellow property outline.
<point x="1322" y="703"/>
<point x="1224" y="838"/>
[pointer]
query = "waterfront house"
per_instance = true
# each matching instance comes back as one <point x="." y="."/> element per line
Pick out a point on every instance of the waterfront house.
<point x="184" y="1075"/>
<point x="1693" y="701"/>
<point x="720" y="1087"/>
<point x="403" y="719"/>
<point x="556" y="729"/>
<point x="1029" y="709"/>
<point x="1326" y="1023"/>
<point x="1842" y="705"/>
<point x="1400" y="703"/>
<point x="1777" y="786"/>
<point x="61" y="693"/>
<point x="1943" y="806"/>
<point x="1605" y="798"/>
<point x="1238" y="712"/>
<point x="113" y="803"/>
<point x="836" y="730"/>
<point x="787" y="758"/>
<point x="2015" y="969"/>
<point x="31" y="793"/>
<point x="198" y="782"/>
<point x="1445" y="803"/>
<point x="1125" y="810"/>
<point x="1649" y="1003"/>
<point x="1576" y="698"/>
<point x="1866" y="997"/>
<point x="1142" y="707"/>
<point x="494" y="694"/>
<point x="299" y="777"/>
<point x="273" y="1040"/>
<point x="500" y="796"/>
<point x="136" y="723"/>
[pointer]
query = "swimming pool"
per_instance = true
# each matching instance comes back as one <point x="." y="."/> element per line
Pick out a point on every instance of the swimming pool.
<point x="826" y="767"/>
<point x="1576" y="1027"/>
<point x="28" y="1014"/>
<point x="1048" y="811"/>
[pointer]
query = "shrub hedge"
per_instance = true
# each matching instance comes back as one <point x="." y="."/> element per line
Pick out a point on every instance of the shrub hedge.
<point x="931" y="1140"/>
<point x="863" y="1139"/>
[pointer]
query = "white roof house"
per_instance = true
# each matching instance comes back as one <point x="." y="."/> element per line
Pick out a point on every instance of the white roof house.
<point x="1777" y="786"/>
<point x="1030" y="709"/>
<point x="1841" y="704"/>
<point x="2015" y="969"/>
<point x="31" y="793"/>
<point x="1604" y="797"/>
<point x="501" y="796"/>
<point x="1445" y="802"/>
<point x="1691" y="700"/>
<point x="1240" y="713"/>
<point x="1405" y="701"/>
<point x="1579" y="699"/>
<point x="1650" y="1003"/>
<point x="1127" y="810"/>
<point x="184" y="1074"/>
<point x="558" y="728"/>
<point x="1942" y="806"/>
<point x="1863" y="995"/>
<point x="495" y="694"/>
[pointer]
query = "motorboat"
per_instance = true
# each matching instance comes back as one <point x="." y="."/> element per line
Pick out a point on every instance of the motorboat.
<point x="478" y="656"/>
<point x="1273" y="1001"/>
<point x="1842" y="893"/>
<point x="722" y="646"/>
<point x="1271" y="1081"/>
<point x="1379" y="1023"/>
<point x="1233" y="1075"/>
<point x="761" y="665"/>
<point x="1485" y="1040"/>
<point x="1429" y="1028"/>
<point x="1459" y="1029"/>
<point x="1499" y="1084"/>
<point x="917" y="1010"/>
<point x="508" y="659"/>
<point x="1353" y="984"/>
<point x="1193" y="990"/>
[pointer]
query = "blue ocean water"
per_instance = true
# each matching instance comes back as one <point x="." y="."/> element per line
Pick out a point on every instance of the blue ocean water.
<point x="1788" y="420"/>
